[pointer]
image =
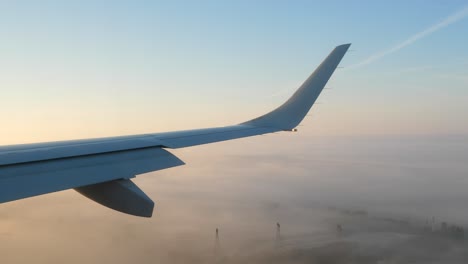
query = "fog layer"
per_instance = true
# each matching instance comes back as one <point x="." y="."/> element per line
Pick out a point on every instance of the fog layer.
<point x="337" y="200"/>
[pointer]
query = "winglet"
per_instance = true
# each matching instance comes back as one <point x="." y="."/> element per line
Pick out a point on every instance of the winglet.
<point x="291" y="113"/>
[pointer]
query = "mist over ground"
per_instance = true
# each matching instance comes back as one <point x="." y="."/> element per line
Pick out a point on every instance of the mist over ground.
<point x="337" y="199"/>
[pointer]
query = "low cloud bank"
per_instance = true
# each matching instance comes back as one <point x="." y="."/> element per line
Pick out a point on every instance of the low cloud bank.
<point x="347" y="200"/>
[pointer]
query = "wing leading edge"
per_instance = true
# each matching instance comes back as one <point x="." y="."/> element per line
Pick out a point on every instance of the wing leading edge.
<point x="34" y="169"/>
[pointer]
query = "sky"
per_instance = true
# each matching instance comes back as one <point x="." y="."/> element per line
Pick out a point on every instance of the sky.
<point x="80" y="69"/>
<point x="388" y="137"/>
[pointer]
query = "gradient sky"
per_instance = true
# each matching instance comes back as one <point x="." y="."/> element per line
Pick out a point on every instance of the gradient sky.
<point x="77" y="69"/>
<point x="95" y="68"/>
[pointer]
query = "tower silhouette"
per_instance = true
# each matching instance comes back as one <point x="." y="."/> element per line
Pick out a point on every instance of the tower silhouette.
<point x="216" y="246"/>
<point x="278" y="235"/>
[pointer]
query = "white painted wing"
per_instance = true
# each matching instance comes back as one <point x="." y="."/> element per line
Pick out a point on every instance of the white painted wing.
<point x="34" y="169"/>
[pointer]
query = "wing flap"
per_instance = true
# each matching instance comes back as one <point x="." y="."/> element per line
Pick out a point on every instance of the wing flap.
<point x="26" y="180"/>
<point x="59" y="150"/>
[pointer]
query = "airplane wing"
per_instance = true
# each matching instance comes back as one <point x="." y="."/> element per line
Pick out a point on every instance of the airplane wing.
<point x="101" y="169"/>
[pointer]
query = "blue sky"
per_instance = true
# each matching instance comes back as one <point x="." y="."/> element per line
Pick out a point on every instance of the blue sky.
<point x="94" y="68"/>
<point x="73" y="69"/>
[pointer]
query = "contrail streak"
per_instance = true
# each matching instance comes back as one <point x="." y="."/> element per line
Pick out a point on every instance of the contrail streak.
<point x="446" y="22"/>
